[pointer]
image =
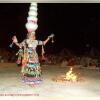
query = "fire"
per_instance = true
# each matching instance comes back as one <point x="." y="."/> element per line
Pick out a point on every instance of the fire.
<point x="70" y="76"/>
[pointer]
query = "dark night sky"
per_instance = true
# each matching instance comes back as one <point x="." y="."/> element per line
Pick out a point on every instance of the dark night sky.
<point x="74" y="25"/>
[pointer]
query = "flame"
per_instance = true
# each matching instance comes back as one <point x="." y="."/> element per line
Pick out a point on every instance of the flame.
<point x="70" y="76"/>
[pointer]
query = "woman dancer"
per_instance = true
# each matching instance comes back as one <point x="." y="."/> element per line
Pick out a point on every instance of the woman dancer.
<point x="31" y="69"/>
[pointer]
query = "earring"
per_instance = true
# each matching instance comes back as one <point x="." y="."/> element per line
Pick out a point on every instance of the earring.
<point x="52" y="40"/>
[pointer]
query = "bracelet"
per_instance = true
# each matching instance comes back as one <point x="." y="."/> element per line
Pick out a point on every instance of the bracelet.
<point x="48" y="37"/>
<point x="16" y="42"/>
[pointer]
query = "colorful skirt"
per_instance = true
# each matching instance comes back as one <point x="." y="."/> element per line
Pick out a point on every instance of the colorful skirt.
<point x="31" y="69"/>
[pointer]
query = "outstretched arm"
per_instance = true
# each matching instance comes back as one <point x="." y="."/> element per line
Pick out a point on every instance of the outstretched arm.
<point x="17" y="44"/>
<point x="49" y="37"/>
<point x="15" y="41"/>
<point x="45" y="41"/>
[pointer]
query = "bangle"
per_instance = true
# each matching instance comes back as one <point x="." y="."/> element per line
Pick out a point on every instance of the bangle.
<point x="49" y="37"/>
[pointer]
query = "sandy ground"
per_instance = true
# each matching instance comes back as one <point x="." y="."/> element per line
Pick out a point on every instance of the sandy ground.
<point x="11" y="82"/>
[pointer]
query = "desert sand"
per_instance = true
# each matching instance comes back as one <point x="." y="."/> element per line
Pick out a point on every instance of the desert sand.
<point x="11" y="82"/>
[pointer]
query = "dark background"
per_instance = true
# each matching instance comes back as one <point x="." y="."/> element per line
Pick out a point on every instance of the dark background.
<point x="76" y="26"/>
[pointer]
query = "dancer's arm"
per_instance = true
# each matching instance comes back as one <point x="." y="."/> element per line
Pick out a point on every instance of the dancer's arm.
<point x="49" y="37"/>
<point x="17" y="44"/>
<point x="15" y="41"/>
<point x="45" y="41"/>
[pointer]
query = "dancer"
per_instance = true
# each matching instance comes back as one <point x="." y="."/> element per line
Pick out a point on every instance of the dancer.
<point x="31" y="69"/>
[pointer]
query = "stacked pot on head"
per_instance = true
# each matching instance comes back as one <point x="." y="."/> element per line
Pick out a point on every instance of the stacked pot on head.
<point x="31" y="24"/>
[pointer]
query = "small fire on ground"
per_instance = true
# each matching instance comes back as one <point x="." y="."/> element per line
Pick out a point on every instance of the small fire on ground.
<point x="69" y="76"/>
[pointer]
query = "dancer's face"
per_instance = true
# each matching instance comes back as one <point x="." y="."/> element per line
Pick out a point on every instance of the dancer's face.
<point x="31" y="36"/>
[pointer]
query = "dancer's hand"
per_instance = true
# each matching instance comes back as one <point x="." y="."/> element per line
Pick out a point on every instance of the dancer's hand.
<point x="51" y="36"/>
<point x="14" y="38"/>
